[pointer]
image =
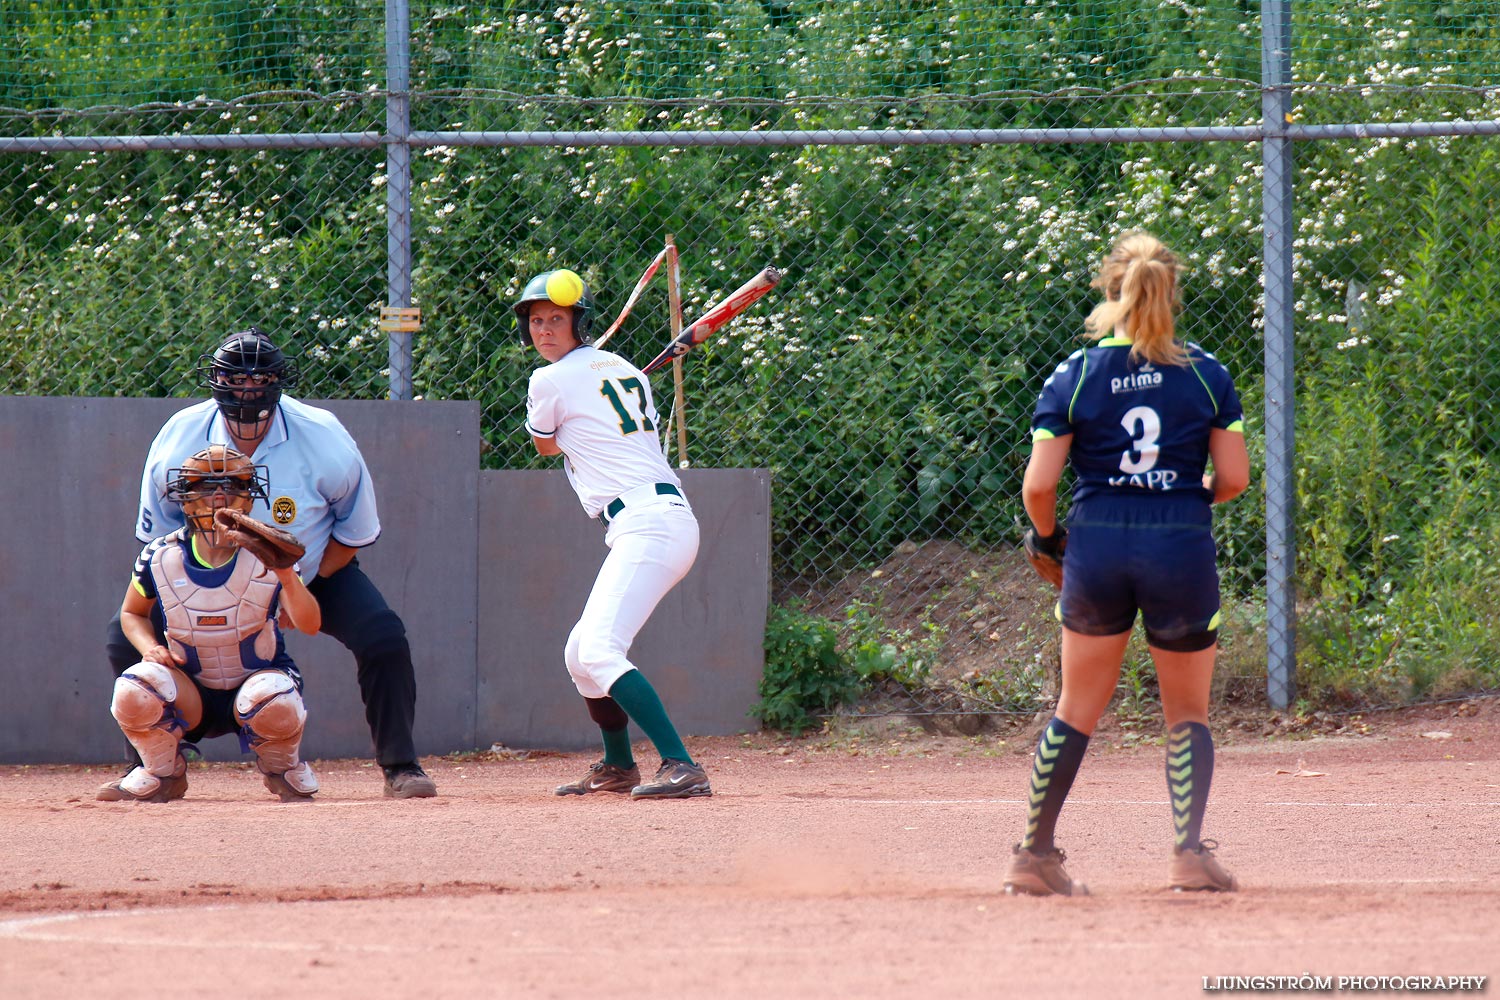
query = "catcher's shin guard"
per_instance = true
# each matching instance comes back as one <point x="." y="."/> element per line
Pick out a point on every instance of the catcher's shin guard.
<point x="270" y="710"/>
<point x="145" y="706"/>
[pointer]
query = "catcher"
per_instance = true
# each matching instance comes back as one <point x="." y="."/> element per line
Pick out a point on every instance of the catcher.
<point x="214" y="588"/>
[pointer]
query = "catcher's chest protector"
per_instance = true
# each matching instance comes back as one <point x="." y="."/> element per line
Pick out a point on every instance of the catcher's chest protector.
<point x="225" y="632"/>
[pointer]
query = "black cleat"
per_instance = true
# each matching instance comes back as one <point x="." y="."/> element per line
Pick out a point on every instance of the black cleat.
<point x="676" y="779"/>
<point x="603" y="777"/>
<point x="408" y="781"/>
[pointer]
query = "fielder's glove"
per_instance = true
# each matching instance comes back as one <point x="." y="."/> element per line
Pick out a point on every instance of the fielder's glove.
<point x="276" y="548"/>
<point x="1045" y="553"/>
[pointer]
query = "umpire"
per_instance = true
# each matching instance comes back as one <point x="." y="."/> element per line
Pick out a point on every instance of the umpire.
<point x="322" y="492"/>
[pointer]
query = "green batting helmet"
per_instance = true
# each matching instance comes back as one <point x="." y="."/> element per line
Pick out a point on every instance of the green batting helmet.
<point x="562" y="288"/>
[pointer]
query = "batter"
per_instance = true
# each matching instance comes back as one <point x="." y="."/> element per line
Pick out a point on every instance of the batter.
<point x="595" y="409"/>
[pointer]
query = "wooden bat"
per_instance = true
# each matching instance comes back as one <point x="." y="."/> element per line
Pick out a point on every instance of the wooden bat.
<point x="718" y="314"/>
<point x="630" y="302"/>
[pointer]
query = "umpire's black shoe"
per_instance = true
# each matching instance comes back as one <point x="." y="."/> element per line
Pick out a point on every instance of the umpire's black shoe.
<point x="408" y="781"/>
<point x="677" y="779"/>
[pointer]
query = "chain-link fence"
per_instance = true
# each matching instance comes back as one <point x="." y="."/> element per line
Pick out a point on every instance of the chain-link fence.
<point x="938" y="181"/>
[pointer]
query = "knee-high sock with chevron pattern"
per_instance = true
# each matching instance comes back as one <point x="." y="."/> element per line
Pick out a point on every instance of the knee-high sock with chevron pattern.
<point x="1190" y="770"/>
<point x="1059" y="753"/>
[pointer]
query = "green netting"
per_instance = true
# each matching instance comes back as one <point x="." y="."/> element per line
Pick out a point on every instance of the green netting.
<point x="901" y="49"/>
<point x="1411" y="43"/>
<point x="79" y="53"/>
<point x="849" y="50"/>
<point x="888" y="382"/>
<point x="82" y="53"/>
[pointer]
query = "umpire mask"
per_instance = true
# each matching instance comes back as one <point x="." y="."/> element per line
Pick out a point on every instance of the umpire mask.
<point x="247" y="374"/>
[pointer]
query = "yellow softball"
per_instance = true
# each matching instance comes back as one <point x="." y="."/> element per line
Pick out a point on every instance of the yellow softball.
<point x="564" y="287"/>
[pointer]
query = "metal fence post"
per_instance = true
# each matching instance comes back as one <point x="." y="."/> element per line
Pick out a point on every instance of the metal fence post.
<point x="1280" y="486"/>
<point x="398" y="193"/>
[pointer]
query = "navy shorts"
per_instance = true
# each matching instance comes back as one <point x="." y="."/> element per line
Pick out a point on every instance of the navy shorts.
<point x="1147" y="554"/>
<point x="218" y="705"/>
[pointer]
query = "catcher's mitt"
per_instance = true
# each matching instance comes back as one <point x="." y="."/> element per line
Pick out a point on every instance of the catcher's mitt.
<point x="1045" y="553"/>
<point x="276" y="548"/>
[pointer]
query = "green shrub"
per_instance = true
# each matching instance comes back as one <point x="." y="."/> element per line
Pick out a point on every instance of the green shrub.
<point x="878" y="652"/>
<point x="805" y="673"/>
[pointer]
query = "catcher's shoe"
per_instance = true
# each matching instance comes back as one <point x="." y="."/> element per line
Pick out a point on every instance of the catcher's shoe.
<point x="408" y="781"/>
<point x="676" y="779"/>
<point x="1040" y="873"/>
<point x="297" y="785"/>
<point x="140" y="785"/>
<point x="603" y="777"/>
<point x="1195" y="869"/>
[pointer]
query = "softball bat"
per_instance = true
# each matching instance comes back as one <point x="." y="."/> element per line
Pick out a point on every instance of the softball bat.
<point x="717" y="315"/>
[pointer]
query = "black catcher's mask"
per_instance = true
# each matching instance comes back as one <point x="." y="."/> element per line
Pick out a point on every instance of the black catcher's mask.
<point x="247" y="374"/>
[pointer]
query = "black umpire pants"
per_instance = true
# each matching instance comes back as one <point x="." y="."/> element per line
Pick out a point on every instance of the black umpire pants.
<point x="356" y="614"/>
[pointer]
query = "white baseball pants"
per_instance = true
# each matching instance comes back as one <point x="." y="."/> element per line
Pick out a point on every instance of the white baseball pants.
<point x="651" y="546"/>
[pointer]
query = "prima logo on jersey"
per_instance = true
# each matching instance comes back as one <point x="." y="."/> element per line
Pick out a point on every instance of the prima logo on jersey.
<point x="1146" y="378"/>
<point x="284" y="509"/>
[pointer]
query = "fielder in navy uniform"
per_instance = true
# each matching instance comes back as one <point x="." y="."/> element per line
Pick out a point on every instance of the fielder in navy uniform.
<point x="222" y="666"/>
<point x="1139" y="415"/>
<point x="324" y="495"/>
<point x="595" y="409"/>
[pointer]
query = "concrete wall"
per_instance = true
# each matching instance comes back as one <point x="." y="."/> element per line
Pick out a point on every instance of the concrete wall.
<point x="702" y="649"/>
<point x="487" y="569"/>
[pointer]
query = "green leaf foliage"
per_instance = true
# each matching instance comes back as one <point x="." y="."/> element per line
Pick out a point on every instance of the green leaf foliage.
<point x="888" y="382"/>
<point x="805" y="672"/>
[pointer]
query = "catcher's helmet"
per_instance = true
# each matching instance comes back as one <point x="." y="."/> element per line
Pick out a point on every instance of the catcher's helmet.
<point x="217" y="468"/>
<point x="247" y="374"/>
<point x="536" y="291"/>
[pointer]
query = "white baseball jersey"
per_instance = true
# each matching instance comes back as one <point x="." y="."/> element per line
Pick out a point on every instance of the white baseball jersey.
<point x="598" y="408"/>
<point x="320" y="487"/>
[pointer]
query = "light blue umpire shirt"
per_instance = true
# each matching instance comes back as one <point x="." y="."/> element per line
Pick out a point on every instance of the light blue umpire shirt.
<point x="320" y="486"/>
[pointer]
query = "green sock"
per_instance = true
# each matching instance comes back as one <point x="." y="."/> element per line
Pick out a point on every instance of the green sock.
<point x="617" y="749"/>
<point x="639" y="700"/>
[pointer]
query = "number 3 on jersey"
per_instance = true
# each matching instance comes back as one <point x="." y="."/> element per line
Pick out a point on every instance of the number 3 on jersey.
<point x="617" y="391"/>
<point x="1144" y="427"/>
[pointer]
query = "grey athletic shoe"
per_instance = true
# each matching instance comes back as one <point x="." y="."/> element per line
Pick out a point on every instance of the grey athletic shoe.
<point x="676" y="779"/>
<point x="1195" y="869"/>
<point x="1040" y="873"/>
<point x="408" y="781"/>
<point x="603" y="777"/>
<point x="140" y="785"/>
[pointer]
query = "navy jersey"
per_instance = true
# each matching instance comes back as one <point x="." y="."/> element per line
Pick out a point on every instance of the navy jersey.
<point x="1138" y="428"/>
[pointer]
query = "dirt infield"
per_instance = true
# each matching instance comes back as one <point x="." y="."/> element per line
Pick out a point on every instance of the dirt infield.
<point x="831" y="867"/>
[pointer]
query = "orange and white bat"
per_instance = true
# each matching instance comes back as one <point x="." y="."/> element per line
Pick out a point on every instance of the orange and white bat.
<point x="717" y="315"/>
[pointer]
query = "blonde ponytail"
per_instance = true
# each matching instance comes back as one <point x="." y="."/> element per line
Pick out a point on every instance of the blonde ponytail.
<point x="1139" y="281"/>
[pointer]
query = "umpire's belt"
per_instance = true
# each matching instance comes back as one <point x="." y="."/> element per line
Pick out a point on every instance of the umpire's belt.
<point x="637" y="496"/>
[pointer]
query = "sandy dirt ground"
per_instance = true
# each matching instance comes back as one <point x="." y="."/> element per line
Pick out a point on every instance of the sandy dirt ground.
<point x="835" y="866"/>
